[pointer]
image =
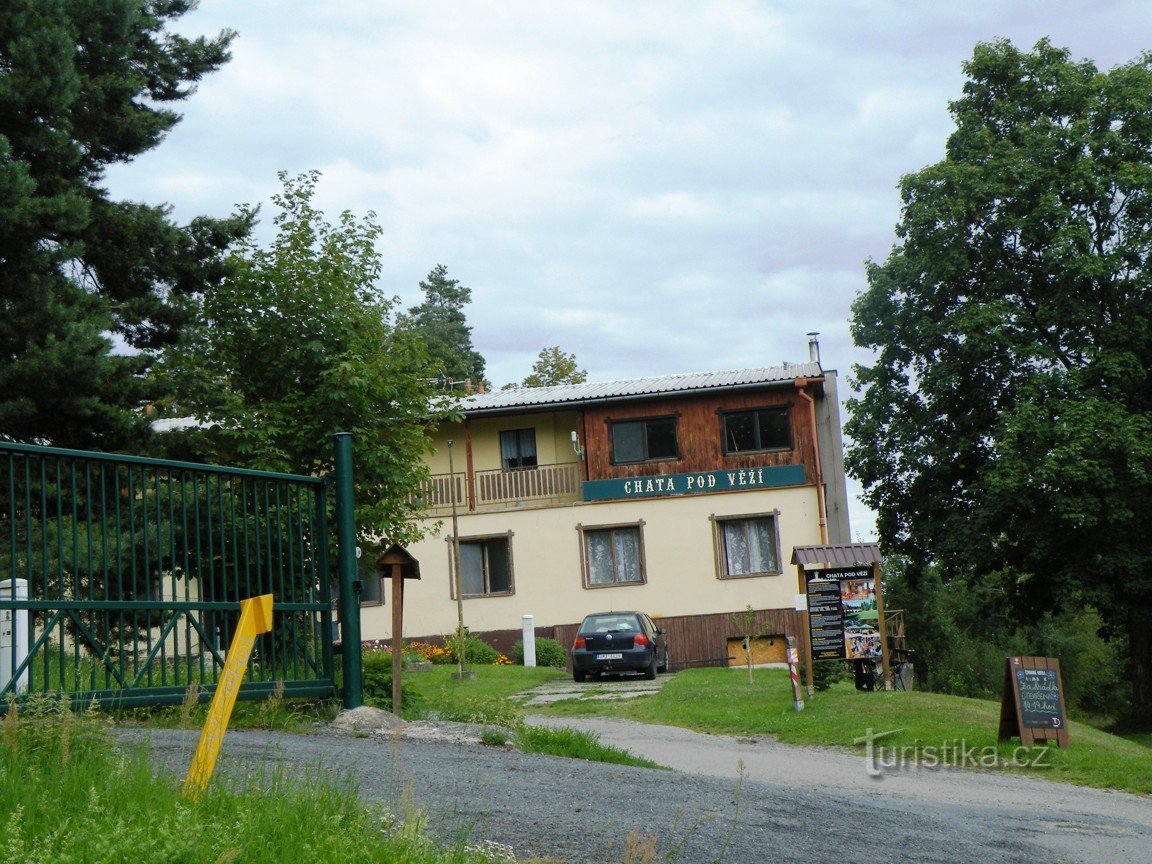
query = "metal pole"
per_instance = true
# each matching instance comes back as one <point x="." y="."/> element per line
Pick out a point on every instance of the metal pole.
<point x="460" y="641"/>
<point x="346" y="570"/>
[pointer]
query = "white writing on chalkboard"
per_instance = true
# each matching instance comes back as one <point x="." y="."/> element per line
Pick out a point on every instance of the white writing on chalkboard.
<point x="1039" y="698"/>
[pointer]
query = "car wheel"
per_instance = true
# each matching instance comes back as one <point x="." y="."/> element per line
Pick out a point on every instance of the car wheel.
<point x="579" y="676"/>
<point x="650" y="672"/>
<point x="663" y="667"/>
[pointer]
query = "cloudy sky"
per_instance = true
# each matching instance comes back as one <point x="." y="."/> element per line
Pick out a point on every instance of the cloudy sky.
<point x="656" y="186"/>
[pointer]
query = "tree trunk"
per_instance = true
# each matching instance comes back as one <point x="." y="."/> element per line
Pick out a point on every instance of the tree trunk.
<point x="1140" y="649"/>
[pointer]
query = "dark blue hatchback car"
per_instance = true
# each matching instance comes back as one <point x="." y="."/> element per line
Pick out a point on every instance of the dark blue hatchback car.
<point x="619" y="642"/>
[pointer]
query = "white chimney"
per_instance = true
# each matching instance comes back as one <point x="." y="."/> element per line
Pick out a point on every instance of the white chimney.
<point x="813" y="347"/>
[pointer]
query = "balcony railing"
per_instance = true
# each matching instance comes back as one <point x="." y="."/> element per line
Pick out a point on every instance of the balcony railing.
<point x="493" y="490"/>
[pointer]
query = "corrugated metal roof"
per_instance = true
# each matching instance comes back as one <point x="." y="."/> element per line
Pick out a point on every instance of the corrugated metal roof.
<point x="846" y="554"/>
<point x="572" y="394"/>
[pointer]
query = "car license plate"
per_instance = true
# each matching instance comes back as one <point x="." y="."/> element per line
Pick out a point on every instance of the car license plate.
<point x="609" y="656"/>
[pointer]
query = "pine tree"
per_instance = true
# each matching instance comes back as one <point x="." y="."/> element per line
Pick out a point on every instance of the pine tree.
<point x="91" y="288"/>
<point x="439" y="321"/>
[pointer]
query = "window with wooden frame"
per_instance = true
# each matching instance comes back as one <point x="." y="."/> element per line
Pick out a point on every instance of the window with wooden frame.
<point x="485" y="566"/>
<point x="612" y="554"/>
<point x="747" y="545"/>
<point x="518" y="448"/>
<point x="643" y="440"/>
<point x="757" y="429"/>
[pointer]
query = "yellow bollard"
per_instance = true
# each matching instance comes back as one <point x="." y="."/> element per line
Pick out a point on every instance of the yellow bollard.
<point x="255" y="618"/>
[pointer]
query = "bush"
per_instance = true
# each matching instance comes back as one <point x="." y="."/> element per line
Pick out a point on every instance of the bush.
<point x="377" y="671"/>
<point x="1090" y="665"/>
<point x="477" y="652"/>
<point x="549" y="652"/>
<point x="824" y="674"/>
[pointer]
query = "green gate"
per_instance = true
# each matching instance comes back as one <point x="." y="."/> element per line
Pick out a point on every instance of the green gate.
<point x="120" y="577"/>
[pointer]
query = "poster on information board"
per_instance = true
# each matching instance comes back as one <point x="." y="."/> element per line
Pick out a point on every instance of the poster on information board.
<point x="843" y="614"/>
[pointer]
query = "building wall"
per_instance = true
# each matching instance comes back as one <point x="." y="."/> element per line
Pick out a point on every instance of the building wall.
<point x="699" y="434"/>
<point x="482" y="437"/>
<point x="546" y="547"/>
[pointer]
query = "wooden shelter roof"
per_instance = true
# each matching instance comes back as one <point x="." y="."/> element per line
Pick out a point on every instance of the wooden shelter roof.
<point x="845" y="554"/>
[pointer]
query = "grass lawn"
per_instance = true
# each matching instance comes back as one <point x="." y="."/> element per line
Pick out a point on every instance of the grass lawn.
<point x="68" y="796"/>
<point x="722" y="701"/>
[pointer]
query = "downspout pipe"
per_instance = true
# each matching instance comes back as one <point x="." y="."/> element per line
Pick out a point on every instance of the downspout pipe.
<point x="821" y="505"/>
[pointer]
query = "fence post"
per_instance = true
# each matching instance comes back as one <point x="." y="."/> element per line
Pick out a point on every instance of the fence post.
<point x="346" y="570"/>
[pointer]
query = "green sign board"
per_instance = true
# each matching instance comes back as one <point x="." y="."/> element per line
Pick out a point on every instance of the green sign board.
<point x="694" y="484"/>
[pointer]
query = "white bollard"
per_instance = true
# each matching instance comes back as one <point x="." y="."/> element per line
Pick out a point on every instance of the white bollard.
<point x="13" y="634"/>
<point x="529" y="634"/>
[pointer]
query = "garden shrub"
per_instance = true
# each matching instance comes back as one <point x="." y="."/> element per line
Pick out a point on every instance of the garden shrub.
<point x="477" y="652"/>
<point x="549" y="652"/>
<point x="377" y="673"/>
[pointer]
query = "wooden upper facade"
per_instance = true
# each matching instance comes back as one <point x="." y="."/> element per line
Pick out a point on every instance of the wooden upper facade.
<point x="553" y="446"/>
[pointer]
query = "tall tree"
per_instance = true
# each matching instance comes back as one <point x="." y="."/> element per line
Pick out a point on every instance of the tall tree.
<point x="441" y="324"/>
<point x="553" y="367"/>
<point x="297" y="345"/>
<point x="82" y="86"/>
<point x="1003" y="431"/>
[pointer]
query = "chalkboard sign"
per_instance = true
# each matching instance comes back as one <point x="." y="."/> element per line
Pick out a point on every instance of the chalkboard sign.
<point x="1033" y="702"/>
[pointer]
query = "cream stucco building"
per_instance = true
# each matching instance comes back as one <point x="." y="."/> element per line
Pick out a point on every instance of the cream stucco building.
<point x="681" y="496"/>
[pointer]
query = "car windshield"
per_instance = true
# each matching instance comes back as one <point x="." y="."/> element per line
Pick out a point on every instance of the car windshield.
<point x="608" y="624"/>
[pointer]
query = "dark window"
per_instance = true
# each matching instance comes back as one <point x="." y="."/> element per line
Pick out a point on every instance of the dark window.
<point x="613" y="556"/>
<point x="371" y="593"/>
<point x="640" y="440"/>
<point x="763" y="429"/>
<point x="518" y="448"/>
<point x="748" y="546"/>
<point x="485" y="567"/>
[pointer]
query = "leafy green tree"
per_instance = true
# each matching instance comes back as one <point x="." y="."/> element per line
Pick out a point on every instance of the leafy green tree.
<point x="1004" y="431"/>
<point x="441" y="324"/>
<point x="298" y="345"/>
<point x="553" y="367"/>
<point x="82" y="86"/>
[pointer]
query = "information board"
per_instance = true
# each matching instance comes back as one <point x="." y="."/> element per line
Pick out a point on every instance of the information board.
<point x="843" y="618"/>
<point x="826" y="619"/>
<point x="1032" y="706"/>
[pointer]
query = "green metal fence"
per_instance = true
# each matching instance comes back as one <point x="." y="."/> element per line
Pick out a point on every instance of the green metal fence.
<point x="120" y="577"/>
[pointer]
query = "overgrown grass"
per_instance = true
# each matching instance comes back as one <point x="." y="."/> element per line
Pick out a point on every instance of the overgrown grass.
<point x="486" y="699"/>
<point x="483" y="699"/>
<point x="575" y="744"/>
<point x="67" y="796"/>
<point x="276" y="712"/>
<point x="721" y="701"/>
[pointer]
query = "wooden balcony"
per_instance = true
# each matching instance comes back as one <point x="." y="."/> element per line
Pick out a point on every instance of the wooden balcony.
<point x="544" y="486"/>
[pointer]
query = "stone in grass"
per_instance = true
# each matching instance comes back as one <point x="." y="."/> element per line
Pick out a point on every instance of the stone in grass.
<point x="366" y="719"/>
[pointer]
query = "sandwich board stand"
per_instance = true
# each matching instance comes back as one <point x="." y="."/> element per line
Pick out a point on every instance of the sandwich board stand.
<point x="1032" y="707"/>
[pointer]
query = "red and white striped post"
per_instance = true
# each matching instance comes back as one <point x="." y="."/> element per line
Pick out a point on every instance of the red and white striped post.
<point x="793" y="661"/>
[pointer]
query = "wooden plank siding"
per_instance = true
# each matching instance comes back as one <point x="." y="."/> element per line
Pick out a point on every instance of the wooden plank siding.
<point x="702" y="640"/>
<point x="699" y="434"/>
<point x="693" y="640"/>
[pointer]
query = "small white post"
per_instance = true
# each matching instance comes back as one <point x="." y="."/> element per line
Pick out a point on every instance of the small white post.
<point x="13" y="634"/>
<point x="529" y="633"/>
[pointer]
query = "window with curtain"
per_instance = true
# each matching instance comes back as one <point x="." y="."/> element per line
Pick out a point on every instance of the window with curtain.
<point x="748" y="546"/>
<point x="613" y="556"/>
<point x="518" y="448"/>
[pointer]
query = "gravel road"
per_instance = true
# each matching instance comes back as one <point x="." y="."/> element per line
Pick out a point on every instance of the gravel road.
<point x="785" y="804"/>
